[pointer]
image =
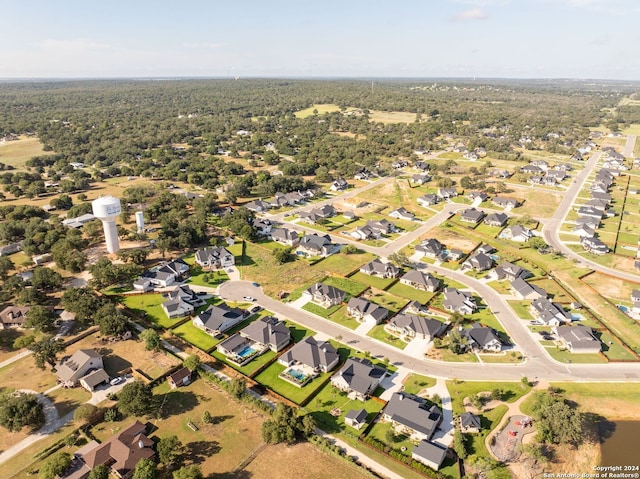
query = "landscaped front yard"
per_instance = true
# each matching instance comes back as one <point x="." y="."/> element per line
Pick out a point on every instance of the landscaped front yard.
<point x="148" y="306"/>
<point x="378" y="332"/>
<point x="196" y="336"/>
<point x="269" y="378"/>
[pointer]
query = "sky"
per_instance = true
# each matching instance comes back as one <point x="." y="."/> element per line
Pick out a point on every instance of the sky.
<point x="584" y="39"/>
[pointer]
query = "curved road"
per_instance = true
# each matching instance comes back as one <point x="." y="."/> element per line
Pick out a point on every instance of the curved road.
<point x="538" y="366"/>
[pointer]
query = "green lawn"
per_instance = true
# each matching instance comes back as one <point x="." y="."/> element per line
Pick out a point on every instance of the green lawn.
<point x="343" y="264"/>
<point x="461" y="389"/>
<point x="196" y="336"/>
<point x="501" y="287"/>
<point x="329" y="398"/>
<point x="209" y="279"/>
<point x="380" y="334"/>
<point x="269" y="377"/>
<point x="410" y="293"/>
<point x="149" y="307"/>
<point x="568" y="357"/>
<point x="341" y="317"/>
<point x="521" y="308"/>
<point x="347" y="285"/>
<point x="373" y="281"/>
<point x="298" y="332"/>
<point x="612" y="349"/>
<point x="389" y="301"/>
<point x="320" y="311"/>
<point x="380" y="431"/>
<point x="414" y="383"/>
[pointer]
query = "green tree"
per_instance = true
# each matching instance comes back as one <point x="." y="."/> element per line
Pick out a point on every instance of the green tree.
<point x="135" y="399"/>
<point x="18" y="410"/>
<point x="40" y="318"/>
<point x="460" y="444"/>
<point x="99" y="472"/>
<point x="46" y="351"/>
<point x="192" y="362"/>
<point x="145" y="469"/>
<point x="152" y="341"/>
<point x="169" y="450"/>
<point x="349" y="249"/>
<point x="111" y="321"/>
<point x="238" y="387"/>
<point x="537" y="242"/>
<point x="85" y="412"/>
<point x="283" y="255"/>
<point x="55" y="465"/>
<point x="188" y="472"/>
<point x="557" y="422"/>
<point x="46" y="279"/>
<point x="83" y="302"/>
<point x="6" y="265"/>
<point x="399" y="259"/>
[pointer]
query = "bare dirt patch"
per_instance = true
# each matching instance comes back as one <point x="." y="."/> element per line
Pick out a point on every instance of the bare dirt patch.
<point x="301" y="460"/>
<point x="452" y="239"/>
<point x="611" y="287"/>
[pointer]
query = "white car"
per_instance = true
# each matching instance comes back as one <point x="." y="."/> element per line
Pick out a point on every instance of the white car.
<point x="248" y="298"/>
<point x="117" y="380"/>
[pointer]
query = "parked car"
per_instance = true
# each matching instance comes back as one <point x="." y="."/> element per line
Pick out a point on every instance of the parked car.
<point x="248" y="298"/>
<point x="117" y="380"/>
<point x="256" y="309"/>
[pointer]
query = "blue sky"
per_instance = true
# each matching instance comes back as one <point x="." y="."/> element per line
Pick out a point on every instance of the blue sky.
<point x="347" y="38"/>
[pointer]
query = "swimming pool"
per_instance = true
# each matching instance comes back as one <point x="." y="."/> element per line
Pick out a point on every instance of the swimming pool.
<point x="623" y="308"/>
<point x="297" y="375"/>
<point x="577" y="316"/>
<point x="246" y="352"/>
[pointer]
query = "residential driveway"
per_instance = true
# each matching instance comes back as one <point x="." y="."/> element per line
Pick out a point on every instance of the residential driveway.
<point x="444" y="434"/>
<point x="393" y="383"/>
<point x="102" y="391"/>
<point x="417" y="347"/>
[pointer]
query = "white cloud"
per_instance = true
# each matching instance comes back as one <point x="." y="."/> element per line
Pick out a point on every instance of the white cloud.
<point x="77" y="45"/>
<point x="207" y="45"/>
<point x="484" y="3"/>
<point x="471" y="14"/>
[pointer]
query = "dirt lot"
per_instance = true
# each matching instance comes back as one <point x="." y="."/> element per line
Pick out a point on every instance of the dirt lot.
<point x="121" y="355"/>
<point x="611" y="287"/>
<point x="316" y="465"/>
<point x="451" y="239"/>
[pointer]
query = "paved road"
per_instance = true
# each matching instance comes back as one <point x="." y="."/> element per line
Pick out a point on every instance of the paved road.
<point x="552" y="225"/>
<point x="629" y="146"/>
<point x="537" y="365"/>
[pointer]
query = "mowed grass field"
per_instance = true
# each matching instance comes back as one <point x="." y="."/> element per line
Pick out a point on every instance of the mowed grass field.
<point x="16" y="153"/>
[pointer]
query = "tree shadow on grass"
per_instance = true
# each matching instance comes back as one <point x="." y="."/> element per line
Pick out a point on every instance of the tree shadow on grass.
<point x="177" y="402"/>
<point x="231" y="475"/>
<point x="199" y="451"/>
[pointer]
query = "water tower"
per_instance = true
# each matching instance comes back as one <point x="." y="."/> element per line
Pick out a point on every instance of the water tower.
<point x="107" y="209"/>
<point x="140" y="221"/>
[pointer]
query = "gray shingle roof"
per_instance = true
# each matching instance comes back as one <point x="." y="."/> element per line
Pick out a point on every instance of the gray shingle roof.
<point x="312" y="353"/>
<point x="361" y="375"/>
<point x="414" y="413"/>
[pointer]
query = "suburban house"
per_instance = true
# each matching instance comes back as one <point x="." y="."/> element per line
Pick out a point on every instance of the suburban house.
<point x="312" y="217"/>
<point x="325" y="295"/>
<point x="412" y="415"/>
<point x="356" y="418"/>
<point x="455" y="254"/>
<point x="167" y="274"/>
<point x="285" y="236"/>
<point x="447" y="193"/>
<point x="415" y="307"/>
<point x="594" y="245"/>
<point x="593" y="223"/>
<point x="182" y="377"/>
<point x="339" y="185"/>
<point x="477" y="195"/>
<point x="457" y="301"/>
<point x="635" y="298"/>
<point x="583" y="230"/>
<point x="214" y="258"/>
<point x="428" y="200"/>
<point x="71" y="369"/>
<point x="410" y="326"/>
<point x="496" y="219"/>
<point x="317" y="245"/>
<point x="578" y="339"/>
<point x="267" y="333"/>
<point x="524" y="290"/>
<point x="365" y="311"/>
<point x="470" y="423"/>
<point x="419" y="280"/>
<point x="531" y="169"/>
<point x="589" y="211"/>
<point x="364" y="233"/>
<point x="120" y="453"/>
<point x="518" y="233"/>
<point x="402" y="214"/>
<point x="510" y="271"/>
<point x="181" y="302"/>
<point x="359" y="378"/>
<point x="380" y="269"/>
<point x="13" y="316"/>
<point x="505" y="202"/>
<point x="219" y="318"/>
<point x="263" y="226"/>
<point x="430" y="454"/>
<point x="548" y="313"/>
<point x="472" y="215"/>
<point x="431" y="248"/>
<point x="557" y="175"/>
<point x="258" y="206"/>
<point x="320" y="356"/>
<point x="478" y="262"/>
<point x="382" y="227"/>
<point x="483" y="339"/>
<point x="420" y="179"/>
<point x="10" y="248"/>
